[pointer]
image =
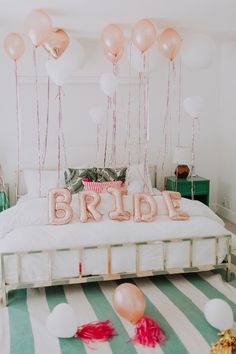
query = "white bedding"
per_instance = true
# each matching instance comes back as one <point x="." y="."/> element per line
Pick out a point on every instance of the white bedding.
<point x="24" y="227"/>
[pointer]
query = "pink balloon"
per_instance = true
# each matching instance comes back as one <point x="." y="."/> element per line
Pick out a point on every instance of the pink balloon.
<point x="14" y="46"/>
<point x="114" y="58"/>
<point x="112" y="40"/>
<point x="169" y="43"/>
<point x="38" y="26"/>
<point x="143" y="35"/>
<point x="129" y="302"/>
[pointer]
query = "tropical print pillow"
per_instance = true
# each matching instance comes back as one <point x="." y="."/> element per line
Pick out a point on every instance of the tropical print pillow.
<point x="74" y="177"/>
<point x="111" y="174"/>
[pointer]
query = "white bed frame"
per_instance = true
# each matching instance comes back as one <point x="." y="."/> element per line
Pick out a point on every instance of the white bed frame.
<point x="80" y="278"/>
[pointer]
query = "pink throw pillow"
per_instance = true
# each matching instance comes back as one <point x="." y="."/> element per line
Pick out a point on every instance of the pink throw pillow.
<point x="100" y="187"/>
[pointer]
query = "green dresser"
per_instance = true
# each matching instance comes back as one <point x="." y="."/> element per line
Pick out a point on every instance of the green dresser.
<point x="201" y="187"/>
<point x="4" y="198"/>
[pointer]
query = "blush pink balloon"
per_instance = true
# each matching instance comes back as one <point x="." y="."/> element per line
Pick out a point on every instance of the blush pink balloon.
<point x="112" y="57"/>
<point x="14" y="45"/>
<point x="169" y="43"/>
<point x="129" y="302"/>
<point x="112" y="40"/>
<point x="143" y="35"/>
<point x="38" y="26"/>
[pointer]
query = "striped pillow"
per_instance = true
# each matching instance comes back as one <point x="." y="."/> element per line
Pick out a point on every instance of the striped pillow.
<point x="100" y="187"/>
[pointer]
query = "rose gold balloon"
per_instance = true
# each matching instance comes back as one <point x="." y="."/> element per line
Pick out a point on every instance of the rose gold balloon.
<point x="88" y="202"/>
<point x="56" y="43"/>
<point x="14" y="46"/>
<point x="38" y="26"/>
<point x="114" y="58"/>
<point x="138" y="199"/>
<point x="143" y="35"/>
<point x="60" y="211"/>
<point x="118" y="213"/>
<point x="169" y="43"/>
<point x="112" y="39"/>
<point x="129" y="302"/>
<point x="173" y="213"/>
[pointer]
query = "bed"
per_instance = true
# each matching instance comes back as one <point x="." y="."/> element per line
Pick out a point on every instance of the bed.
<point x="36" y="254"/>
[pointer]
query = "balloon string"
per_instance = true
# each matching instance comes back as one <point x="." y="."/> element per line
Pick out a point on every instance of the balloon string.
<point x="165" y="127"/>
<point x="113" y="156"/>
<point x="106" y="137"/>
<point x="18" y="127"/>
<point x="37" y="118"/>
<point x="139" y="117"/>
<point x="192" y="173"/>
<point x="180" y="100"/>
<point x="146" y="120"/>
<point x="98" y="141"/>
<point x="128" y="127"/>
<point x="47" y="124"/>
<point x="59" y="138"/>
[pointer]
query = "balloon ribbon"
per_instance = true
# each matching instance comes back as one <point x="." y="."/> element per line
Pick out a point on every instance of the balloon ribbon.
<point x="37" y="118"/>
<point x="226" y="344"/>
<point x="18" y="127"/>
<point x="95" y="331"/>
<point x="148" y="333"/>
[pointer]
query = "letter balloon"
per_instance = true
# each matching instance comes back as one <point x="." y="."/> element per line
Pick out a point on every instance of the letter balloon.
<point x="118" y="213"/>
<point x="171" y="207"/>
<point x="138" y="199"/>
<point x="60" y="211"/>
<point x="88" y="202"/>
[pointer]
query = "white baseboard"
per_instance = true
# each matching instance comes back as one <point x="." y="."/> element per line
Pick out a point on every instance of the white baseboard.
<point x="226" y="213"/>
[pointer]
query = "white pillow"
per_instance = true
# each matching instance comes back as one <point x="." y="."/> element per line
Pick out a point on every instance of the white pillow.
<point x="136" y="173"/>
<point x="49" y="180"/>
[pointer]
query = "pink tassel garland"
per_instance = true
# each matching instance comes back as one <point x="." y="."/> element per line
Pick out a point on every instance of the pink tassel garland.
<point x="148" y="333"/>
<point x="95" y="331"/>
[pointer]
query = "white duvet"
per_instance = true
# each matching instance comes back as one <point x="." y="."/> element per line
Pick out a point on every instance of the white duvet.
<point x="24" y="227"/>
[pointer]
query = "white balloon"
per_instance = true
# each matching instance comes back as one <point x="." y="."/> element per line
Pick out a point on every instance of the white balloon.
<point x="62" y="321"/>
<point x="71" y="60"/>
<point x="135" y="58"/>
<point x="108" y="84"/>
<point x="219" y="314"/>
<point x="193" y="105"/>
<point x="97" y="114"/>
<point x="197" y="50"/>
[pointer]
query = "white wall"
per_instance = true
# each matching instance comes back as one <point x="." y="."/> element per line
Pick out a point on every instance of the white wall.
<point x="82" y="92"/>
<point x="227" y="128"/>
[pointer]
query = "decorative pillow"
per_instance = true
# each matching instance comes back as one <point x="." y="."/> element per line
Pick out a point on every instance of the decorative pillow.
<point x="74" y="177"/>
<point x="111" y="174"/>
<point x="100" y="187"/>
<point x="49" y="180"/>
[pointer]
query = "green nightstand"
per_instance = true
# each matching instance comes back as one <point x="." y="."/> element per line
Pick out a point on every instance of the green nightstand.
<point x="201" y="187"/>
<point x="4" y="197"/>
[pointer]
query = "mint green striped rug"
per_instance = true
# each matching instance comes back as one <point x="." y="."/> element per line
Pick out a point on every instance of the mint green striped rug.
<point x="176" y="302"/>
